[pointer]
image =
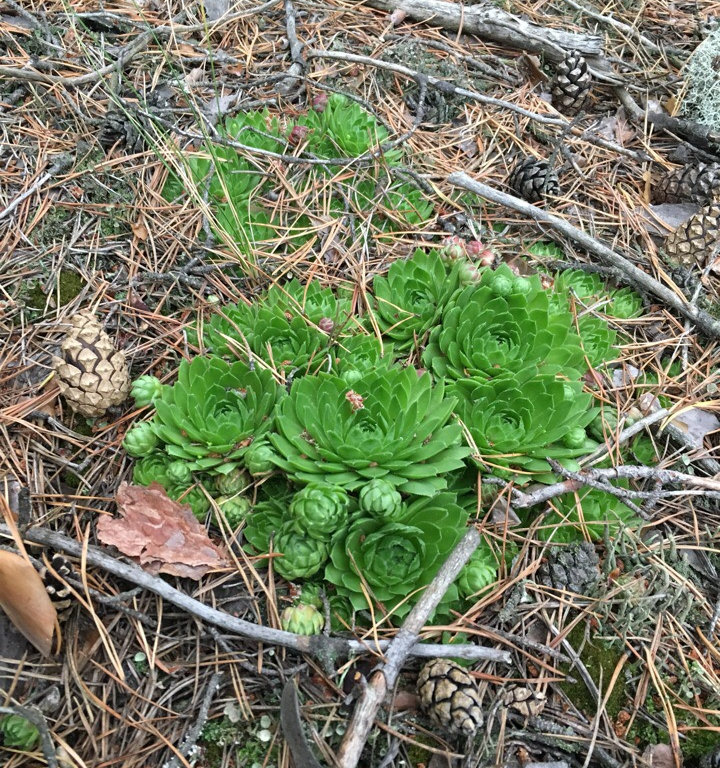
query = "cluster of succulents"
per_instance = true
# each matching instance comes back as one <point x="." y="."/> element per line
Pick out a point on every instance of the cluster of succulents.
<point x="359" y="474"/>
<point x="234" y="188"/>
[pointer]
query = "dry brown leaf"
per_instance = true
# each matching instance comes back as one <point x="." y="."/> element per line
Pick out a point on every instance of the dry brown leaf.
<point x="160" y="534"/>
<point x="25" y="601"/>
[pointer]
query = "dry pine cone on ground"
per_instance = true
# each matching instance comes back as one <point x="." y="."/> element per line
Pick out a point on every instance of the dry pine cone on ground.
<point x="691" y="183"/>
<point x="571" y="84"/>
<point x="533" y="180"/>
<point x="92" y="374"/>
<point x="450" y="696"/>
<point x="696" y="242"/>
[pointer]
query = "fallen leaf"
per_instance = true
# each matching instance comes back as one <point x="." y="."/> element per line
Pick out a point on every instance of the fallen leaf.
<point x="25" y="601"/>
<point x="660" y="219"/>
<point x="696" y="424"/>
<point x="139" y="230"/>
<point x="162" y="535"/>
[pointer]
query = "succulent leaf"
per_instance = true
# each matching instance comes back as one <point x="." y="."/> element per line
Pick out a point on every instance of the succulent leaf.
<point x="302" y="619"/>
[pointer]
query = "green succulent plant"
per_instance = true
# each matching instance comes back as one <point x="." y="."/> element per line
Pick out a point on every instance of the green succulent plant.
<point x="302" y="555"/>
<point x="265" y="333"/>
<point x="380" y="499"/>
<point x="355" y="356"/>
<point x="179" y="473"/>
<point x="140" y="440"/>
<point x="598" y="340"/>
<point x="195" y="497"/>
<point x="320" y="510"/>
<point x="518" y="423"/>
<point x="391" y="561"/>
<point x="214" y="411"/>
<point x="263" y="523"/>
<point x="233" y="482"/>
<point x="393" y="424"/>
<point x="302" y="619"/>
<point x="411" y="297"/>
<point x="585" y="515"/>
<point x="626" y="304"/>
<point x="145" y="390"/>
<point x="312" y="301"/>
<point x="152" y="469"/>
<point x="18" y="732"/>
<point x="260" y="458"/>
<point x="479" y="572"/>
<point x="234" y="509"/>
<point x="585" y="285"/>
<point x="483" y="334"/>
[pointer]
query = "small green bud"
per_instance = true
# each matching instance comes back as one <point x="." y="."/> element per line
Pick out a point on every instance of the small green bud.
<point x="575" y="438"/>
<point x="140" y="440"/>
<point x="179" y="473"/>
<point x="259" y="458"/>
<point x="19" y="733"/>
<point x="381" y="499"/>
<point x="145" y="390"/>
<point x="234" y="509"/>
<point x="235" y="481"/>
<point x="302" y="620"/>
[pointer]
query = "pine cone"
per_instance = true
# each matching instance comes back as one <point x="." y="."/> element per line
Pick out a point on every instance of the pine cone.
<point x="527" y="701"/>
<point x="91" y="374"/>
<point x="449" y="695"/>
<point x="698" y="183"/>
<point x="694" y="242"/>
<point x="57" y="590"/>
<point x="118" y="126"/>
<point x="573" y="568"/>
<point x="571" y="85"/>
<point x="533" y="180"/>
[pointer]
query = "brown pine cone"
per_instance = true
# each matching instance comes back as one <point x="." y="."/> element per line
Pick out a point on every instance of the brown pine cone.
<point x="571" y="85"/>
<point x="695" y="242"/>
<point x="92" y="374"/>
<point x="450" y="696"/>
<point x="533" y="180"/>
<point x="698" y="183"/>
<point x="527" y="701"/>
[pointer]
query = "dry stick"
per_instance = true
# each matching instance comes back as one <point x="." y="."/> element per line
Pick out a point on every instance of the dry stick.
<point x="695" y="133"/>
<point x="292" y="82"/>
<point x="492" y="23"/>
<point x="384" y="679"/>
<point x="325" y="648"/>
<point x="632" y="274"/>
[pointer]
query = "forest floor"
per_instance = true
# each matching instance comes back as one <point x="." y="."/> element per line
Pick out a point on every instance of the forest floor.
<point x="99" y="107"/>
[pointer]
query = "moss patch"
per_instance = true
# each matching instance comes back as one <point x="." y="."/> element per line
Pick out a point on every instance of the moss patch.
<point x="69" y="286"/>
<point x="600" y="661"/>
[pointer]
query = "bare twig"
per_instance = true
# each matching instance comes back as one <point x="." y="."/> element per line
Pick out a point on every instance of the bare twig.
<point x="315" y="645"/>
<point x="383" y="680"/>
<point x="632" y="274"/>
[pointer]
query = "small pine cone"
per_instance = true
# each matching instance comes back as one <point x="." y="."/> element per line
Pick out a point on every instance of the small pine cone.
<point x="695" y="242"/>
<point x="699" y="183"/>
<point x="92" y="374"/>
<point x="450" y="696"/>
<point x="527" y="701"/>
<point x="533" y="180"/>
<point x="571" y="84"/>
<point x="573" y="568"/>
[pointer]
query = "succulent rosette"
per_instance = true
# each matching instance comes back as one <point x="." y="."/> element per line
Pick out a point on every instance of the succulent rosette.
<point x="586" y="286"/>
<point x="179" y="473"/>
<point x="233" y="482"/>
<point x="152" y="469"/>
<point x="145" y="390"/>
<point x="393" y="424"/>
<point x="483" y="334"/>
<point x="282" y="338"/>
<point x="259" y="458"/>
<point x="411" y="297"/>
<point x="518" y="423"/>
<point x="311" y="301"/>
<point x="263" y="523"/>
<point x="584" y="515"/>
<point x="214" y="411"/>
<point x="302" y="555"/>
<point x="355" y="356"/>
<point x="381" y="499"/>
<point x="302" y="619"/>
<point x="17" y="732"/>
<point x="140" y="440"/>
<point x="626" y="304"/>
<point x="234" y="509"/>
<point x="195" y="497"/>
<point x="393" y="561"/>
<point x="598" y="340"/>
<point x="320" y="510"/>
<point x="479" y="572"/>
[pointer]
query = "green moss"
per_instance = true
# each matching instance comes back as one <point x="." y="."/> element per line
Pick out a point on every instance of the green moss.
<point x="600" y="661"/>
<point x="69" y="285"/>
